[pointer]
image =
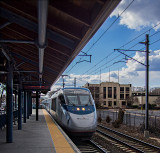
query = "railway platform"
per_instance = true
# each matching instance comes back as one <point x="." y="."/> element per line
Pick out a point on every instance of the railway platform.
<point x="42" y="136"/>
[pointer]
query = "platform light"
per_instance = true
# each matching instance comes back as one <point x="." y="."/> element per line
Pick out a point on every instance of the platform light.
<point x="78" y="109"/>
<point x="83" y="109"/>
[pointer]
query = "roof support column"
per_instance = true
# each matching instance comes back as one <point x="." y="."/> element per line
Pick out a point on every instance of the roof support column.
<point x="30" y="103"/>
<point x="9" y="121"/>
<point x="42" y="24"/>
<point x="25" y="107"/>
<point x="20" y="107"/>
<point x="27" y="95"/>
<point x="37" y="104"/>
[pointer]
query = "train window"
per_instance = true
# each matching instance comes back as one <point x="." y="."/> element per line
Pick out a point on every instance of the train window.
<point x="72" y="99"/>
<point x="84" y="99"/>
<point x="78" y="99"/>
<point x="53" y="104"/>
<point x="61" y="97"/>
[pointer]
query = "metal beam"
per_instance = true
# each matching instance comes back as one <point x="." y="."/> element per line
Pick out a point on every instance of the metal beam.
<point x="25" y="71"/>
<point x="37" y="104"/>
<point x="20" y="107"/>
<point x="4" y="25"/>
<point x="9" y="112"/>
<point x="33" y="63"/>
<point x="42" y="25"/>
<point x="12" y="17"/>
<point x="18" y="41"/>
<point x="6" y="55"/>
<point x="25" y="107"/>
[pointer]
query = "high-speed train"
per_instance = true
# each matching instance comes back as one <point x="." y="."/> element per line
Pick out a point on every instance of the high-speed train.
<point x="74" y="109"/>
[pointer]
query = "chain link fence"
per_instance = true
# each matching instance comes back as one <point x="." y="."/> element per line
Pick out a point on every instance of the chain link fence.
<point x="133" y="119"/>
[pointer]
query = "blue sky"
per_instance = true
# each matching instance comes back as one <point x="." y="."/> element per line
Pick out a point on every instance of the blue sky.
<point x="135" y="21"/>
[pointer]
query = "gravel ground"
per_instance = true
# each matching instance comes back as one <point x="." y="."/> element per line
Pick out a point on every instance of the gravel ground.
<point x="135" y="132"/>
<point x="106" y="144"/>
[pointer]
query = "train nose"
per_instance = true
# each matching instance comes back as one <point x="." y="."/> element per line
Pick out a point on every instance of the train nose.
<point x="83" y="121"/>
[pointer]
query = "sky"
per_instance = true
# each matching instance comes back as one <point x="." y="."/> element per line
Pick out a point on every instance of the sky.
<point x="127" y="25"/>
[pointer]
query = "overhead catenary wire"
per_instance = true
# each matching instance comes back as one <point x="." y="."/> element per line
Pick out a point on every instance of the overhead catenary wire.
<point x="120" y="54"/>
<point x="127" y="44"/>
<point x="124" y="44"/>
<point x="102" y="34"/>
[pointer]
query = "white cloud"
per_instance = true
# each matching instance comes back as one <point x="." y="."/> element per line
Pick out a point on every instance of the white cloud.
<point x="140" y="14"/>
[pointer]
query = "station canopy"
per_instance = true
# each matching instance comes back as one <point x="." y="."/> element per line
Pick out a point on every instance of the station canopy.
<point x="42" y="37"/>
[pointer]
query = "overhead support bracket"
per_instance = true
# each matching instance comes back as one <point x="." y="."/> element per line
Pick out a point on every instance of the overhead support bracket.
<point x="84" y="54"/>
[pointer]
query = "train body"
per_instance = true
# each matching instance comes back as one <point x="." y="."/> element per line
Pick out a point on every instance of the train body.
<point x="74" y="109"/>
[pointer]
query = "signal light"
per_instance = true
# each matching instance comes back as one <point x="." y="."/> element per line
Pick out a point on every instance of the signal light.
<point x="83" y="109"/>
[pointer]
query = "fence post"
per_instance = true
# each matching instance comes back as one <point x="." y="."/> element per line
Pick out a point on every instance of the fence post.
<point x="134" y="119"/>
<point x="130" y="120"/>
<point x="113" y="116"/>
<point x="155" y="121"/>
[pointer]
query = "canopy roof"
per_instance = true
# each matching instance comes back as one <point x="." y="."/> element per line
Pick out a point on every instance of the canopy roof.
<point x="43" y="37"/>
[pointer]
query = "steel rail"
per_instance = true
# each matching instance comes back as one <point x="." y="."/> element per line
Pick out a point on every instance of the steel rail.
<point x="122" y="142"/>
<point x="132" y="138"/>
<point x="100" y="148"/>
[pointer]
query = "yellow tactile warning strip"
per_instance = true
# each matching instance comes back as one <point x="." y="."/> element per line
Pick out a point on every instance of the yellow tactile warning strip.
<point x="60" y="143"/>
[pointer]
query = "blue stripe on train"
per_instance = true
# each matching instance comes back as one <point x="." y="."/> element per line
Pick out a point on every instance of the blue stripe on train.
<point x="73" y="109"/>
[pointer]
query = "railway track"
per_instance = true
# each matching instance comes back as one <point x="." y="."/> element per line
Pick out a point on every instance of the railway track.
<point x="89" y="146"/>
<point x="125" y="142"/>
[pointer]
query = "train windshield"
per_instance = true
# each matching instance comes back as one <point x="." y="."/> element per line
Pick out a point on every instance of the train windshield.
<point x="79" y="99"/>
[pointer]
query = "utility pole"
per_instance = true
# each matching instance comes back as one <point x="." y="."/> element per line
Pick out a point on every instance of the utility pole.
<point x="75" y="82"/>
<point x="118" y="75"/>
<point x="146" y="132"/>
<point x="109" y="75"/>
<point x="100" y="76"/>
<point x="63" y="79"/>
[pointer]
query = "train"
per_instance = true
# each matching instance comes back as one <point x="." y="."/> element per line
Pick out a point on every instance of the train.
<point x="74" y="110"/>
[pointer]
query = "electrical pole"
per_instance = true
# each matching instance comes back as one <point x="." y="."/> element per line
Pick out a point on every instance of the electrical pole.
<point x="146" y="132"/>
<point x="63" y="79"/>
<point x="109" y="75"/>
<point x="75" y="82"/>
<point x="100" y="76"/>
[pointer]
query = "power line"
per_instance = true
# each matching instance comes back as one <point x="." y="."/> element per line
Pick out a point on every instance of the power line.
<point x="103" y="33"/>
<point x="128" y="49"/>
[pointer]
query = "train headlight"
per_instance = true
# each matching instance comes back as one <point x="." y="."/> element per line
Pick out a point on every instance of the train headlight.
<point x="78" y="109"/>
<point x="83" y="109"/>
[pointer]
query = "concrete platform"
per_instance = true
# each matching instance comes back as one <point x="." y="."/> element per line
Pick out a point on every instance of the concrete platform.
<point x="35" y="137"/>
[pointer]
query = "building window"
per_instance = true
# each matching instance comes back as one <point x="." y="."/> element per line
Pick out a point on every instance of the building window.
<point x="109" y="92"/>
<point x="123" y="103"/>
<point x="115" y="103"/>
<point x="115" y="91"/>
<point x="121" y="96"/>
<point x="91" y="89"/>
<point x="104" y="103"/>
<point x="127" y="89"/>
<point x="121" y="89"/>
<point x="127" y="96"/>
<point x="110" y="103"/>
<point x="104" y="92"/>
<point x="96" y="95"/>
<point x="96" y="89"/>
